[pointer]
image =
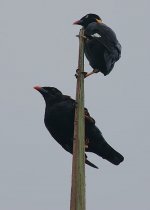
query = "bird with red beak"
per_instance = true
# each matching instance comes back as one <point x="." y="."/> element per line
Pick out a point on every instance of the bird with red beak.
<point x="59" y="120"/>
<point x="102" y="48"/>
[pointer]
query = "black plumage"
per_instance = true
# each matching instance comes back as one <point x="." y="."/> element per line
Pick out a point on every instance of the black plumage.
<point x="59" y="120"/>
<point x="102" y="48"/>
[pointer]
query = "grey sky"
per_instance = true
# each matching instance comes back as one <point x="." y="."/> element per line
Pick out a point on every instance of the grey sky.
<point x="39" y="47"/>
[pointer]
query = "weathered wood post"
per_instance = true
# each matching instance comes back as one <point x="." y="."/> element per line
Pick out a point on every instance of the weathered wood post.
<point x="78" y="164"/>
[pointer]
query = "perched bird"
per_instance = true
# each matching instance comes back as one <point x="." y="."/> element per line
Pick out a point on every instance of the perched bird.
<point x="59" y="120"/>
<point x="102" y="48"/>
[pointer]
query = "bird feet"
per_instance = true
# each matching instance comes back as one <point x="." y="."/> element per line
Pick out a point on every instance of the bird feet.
<point x="86" y="74"/>
<point x="92" y="72"/>
<point x="77" y="73"/>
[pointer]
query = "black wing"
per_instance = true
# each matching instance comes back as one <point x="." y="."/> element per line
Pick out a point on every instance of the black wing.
<point x="103" y="34"/>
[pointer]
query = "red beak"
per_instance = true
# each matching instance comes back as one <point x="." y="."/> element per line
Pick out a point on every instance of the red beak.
<point x="76" y="22"/>
<point x="40" y="89"/>
<point x="37" y="88"/>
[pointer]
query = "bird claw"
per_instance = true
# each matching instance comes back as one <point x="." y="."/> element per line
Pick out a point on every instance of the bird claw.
<point x="77" y="73"/>
<point x="84" y="74"/>
<point x="92" y="72"/>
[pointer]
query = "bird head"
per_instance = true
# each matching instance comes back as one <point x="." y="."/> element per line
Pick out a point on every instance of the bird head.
<point x="87" y="19"/>
<point x="51" y="95"/>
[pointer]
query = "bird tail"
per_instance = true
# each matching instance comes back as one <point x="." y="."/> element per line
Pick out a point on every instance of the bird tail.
<point x="99" y="146"/>
<point x="108" y="153"/>
<point x="114" y="157"/>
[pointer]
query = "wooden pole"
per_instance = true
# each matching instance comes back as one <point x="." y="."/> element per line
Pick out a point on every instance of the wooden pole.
<point x="78" y="165"/>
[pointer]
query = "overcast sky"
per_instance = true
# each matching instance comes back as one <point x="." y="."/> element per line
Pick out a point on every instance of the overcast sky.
<point x="39" y="47"/>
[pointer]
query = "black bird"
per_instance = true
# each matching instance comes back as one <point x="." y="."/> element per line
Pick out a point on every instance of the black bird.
<point x="59" y="120"/>
<point x="102" y="48"/>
